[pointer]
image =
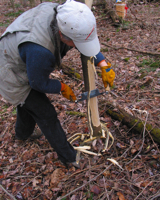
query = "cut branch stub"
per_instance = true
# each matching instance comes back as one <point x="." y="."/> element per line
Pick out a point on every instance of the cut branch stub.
<point x="92" y="110"/>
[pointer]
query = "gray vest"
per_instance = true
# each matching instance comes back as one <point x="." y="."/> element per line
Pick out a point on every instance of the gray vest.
<point x="32" y="26"/>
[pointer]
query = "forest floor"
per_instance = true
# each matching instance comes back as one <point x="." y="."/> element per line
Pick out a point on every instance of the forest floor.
<point x="30" y="170"/>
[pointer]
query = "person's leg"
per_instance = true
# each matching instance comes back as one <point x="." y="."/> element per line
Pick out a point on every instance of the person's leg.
<point x="24" y="125"/>
<point x="43" y="112"/>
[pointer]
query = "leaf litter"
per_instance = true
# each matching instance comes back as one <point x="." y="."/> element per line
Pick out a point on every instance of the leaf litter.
<point x="31" y="169"/>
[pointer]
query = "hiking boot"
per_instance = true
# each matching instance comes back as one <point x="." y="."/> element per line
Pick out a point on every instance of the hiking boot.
<point x="35" y="135"/>
<point x="76" y="163"/>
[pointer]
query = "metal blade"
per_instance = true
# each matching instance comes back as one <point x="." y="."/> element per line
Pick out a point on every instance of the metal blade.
<point x="93" y="93"/>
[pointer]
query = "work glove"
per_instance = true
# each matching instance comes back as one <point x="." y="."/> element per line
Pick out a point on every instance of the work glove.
<point x="108" y="75"/>
<point x="67" y="92"/>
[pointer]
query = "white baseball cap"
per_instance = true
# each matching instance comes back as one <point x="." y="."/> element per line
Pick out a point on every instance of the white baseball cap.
<point x="76" y="21"/>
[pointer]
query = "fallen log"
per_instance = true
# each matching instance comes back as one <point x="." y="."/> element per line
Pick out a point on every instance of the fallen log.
<point x="130" y="121"/>
<point x="70" y="71"/>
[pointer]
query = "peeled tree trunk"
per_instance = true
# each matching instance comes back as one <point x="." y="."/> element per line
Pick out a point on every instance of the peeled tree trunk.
<point x="92" y="104"/>
<point x="89" y="3"/>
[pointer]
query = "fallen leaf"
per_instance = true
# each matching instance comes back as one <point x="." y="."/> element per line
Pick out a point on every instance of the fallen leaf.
<point x="138" y="184"/>
<point x="95" y="189"/>
<point x="49" y="194"/>
<point x="34" y="183"/>
<point x="133" y="151"/>
<point x="120" y="196"/>
<point x="121" y="146"/>
<point x="74" y="197"/>
<point x="56" y="176"/>
<point x="145" y="183"/>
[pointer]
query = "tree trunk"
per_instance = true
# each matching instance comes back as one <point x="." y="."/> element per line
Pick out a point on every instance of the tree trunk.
<point x="92" y="104"/>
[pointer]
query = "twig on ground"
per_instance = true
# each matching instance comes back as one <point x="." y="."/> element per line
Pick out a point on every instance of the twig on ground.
<point x="105" y="188"/>
<point x="154" y="196"/>
<point x="60" y="198"/>
<point x="142" y="141"/>
<point x="85" y="183"/>
<point x="28" y="183"/>
<point x="143" y="190"/>
<point x="153" y="141"/>
<point x="11" y="196"/>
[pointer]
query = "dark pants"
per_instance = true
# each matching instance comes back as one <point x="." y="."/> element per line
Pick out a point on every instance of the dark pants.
<point x="38" y="109"/>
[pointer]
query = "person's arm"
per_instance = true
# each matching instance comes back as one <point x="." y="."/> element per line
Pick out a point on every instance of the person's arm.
<point x="98" y="59"/>
<point x="108" y="74"/>
<point x="40" y="63"/>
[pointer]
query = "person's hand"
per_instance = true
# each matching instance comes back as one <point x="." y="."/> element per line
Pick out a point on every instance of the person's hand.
<point x="67" y="92"/>
<point x="108" y="75"/>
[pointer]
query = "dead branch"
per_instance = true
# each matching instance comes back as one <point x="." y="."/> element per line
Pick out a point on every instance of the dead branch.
<point x="130" y="121"/>
<point x="136" y="50"/>
<point x="70" y="71"/>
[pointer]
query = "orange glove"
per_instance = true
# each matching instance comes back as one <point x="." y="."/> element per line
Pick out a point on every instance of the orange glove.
<point x="108" y="75"/>
<point x="67" y="92"/>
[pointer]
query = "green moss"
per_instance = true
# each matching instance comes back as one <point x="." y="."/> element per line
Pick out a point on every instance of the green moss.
<point x="14" y="14"/>
<point x="76" y="113"/>
<point x="149" y="127"/>
<point x="128" y="86"/>
<point x="155" y="64"/>
<point x="142" y="87"/>
<point x="14" y="112"/>
<point x="115" y="115"/>
<point x="17" y="5"/>
<point x="117" y="30"/>
<point x="140" y="125"/>
<point x="6" y="23"/>
<point x="143" y="75"/>
<point x="149" y="65"/>
<point x="77" y="75"/>
<point x="104" y="50"/>
<point x="126" y="59"/>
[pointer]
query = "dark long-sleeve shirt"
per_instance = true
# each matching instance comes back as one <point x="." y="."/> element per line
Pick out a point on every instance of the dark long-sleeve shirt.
<point x="40" y="62"/>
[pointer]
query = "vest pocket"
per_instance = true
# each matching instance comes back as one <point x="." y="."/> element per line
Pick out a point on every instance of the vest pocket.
<point x="12" y="76"/>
